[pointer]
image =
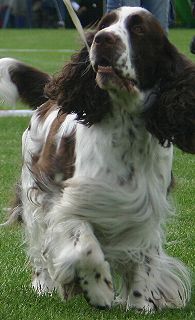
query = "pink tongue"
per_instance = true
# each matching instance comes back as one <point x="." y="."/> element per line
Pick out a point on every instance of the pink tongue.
<point x="105" y="69"/>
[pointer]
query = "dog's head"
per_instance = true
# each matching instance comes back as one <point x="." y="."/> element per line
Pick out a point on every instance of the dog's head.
<point x="131" y="54"/>
<point x="127" y="57"/>
<point x="126" y="48"/>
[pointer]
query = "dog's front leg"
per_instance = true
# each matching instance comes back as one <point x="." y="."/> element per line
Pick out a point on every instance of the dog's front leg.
<point x="158" y="282"/>
<point x="78" y="261"/>
<point x="92" y="270"/>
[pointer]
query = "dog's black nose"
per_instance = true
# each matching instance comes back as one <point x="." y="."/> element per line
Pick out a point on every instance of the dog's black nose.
<point x="105" y="38"/>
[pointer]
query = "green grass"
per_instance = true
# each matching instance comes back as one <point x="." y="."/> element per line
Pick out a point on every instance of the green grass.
<point x="39" y="39"/>
<point x="17" y="300"/>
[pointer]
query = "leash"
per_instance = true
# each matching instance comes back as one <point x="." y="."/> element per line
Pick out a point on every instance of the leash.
<point x="76" y="21"/>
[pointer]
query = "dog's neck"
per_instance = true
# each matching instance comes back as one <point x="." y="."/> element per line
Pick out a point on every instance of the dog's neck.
<point x="132" y="102"/>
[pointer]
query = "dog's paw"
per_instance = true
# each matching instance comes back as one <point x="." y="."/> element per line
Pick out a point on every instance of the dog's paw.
<point x="42" y="283"/>
<point x="97" y="285"/>
<point x="146" y="301"/>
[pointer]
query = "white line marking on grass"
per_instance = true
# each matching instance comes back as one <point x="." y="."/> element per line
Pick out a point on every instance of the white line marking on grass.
<point x="37" y="50"/>
<point x="15" y="113"/>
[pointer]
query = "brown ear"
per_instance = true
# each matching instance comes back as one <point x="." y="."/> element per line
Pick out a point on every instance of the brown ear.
<point x="76" y="91"/>
<point x="171" y="118"/>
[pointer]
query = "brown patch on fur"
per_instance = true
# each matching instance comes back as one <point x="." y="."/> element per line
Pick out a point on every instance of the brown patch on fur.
<point x="147" y="41"/>
<point x="172" y="116"/>
<point x="75" y="89"/>
<point x="30" y="83"/>
<point x="44" y="110"/>
<point x="52" y="161"/>
<point x="108" y="20"/>
<point x="109" y="284"/>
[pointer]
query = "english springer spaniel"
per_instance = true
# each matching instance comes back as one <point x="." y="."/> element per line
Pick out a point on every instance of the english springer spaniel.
<point x="97" y="160"/>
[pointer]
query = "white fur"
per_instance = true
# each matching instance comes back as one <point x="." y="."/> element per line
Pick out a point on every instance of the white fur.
<point x="126" y="211"/>
<point x="66" y="129"/>
<point x="8" y="90"/>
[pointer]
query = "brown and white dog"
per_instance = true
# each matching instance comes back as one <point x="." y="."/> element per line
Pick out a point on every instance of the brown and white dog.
<point x="95" y="179"/>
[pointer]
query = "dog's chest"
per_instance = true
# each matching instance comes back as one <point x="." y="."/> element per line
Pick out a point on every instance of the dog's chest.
<point x="111" y="151"/>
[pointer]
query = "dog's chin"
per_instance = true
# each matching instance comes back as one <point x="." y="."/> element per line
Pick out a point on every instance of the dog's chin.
<point x="108" y="79"/>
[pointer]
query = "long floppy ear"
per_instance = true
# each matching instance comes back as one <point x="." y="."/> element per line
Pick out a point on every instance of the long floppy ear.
<point x="76" y="91"/>
<point x="171" y="118"/>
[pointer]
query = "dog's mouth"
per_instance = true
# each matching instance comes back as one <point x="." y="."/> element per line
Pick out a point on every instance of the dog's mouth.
<point x="108" y="77"/>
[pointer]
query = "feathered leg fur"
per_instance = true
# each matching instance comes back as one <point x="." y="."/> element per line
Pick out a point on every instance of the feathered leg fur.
<point x="75" y="259"/>
<point x="157" y="282"/>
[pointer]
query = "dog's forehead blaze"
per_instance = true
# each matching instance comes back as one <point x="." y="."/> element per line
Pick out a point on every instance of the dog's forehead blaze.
<point x="125" y="17"/>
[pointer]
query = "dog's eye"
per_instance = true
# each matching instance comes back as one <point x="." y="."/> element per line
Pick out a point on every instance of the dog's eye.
<point x="138" y="29"/>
